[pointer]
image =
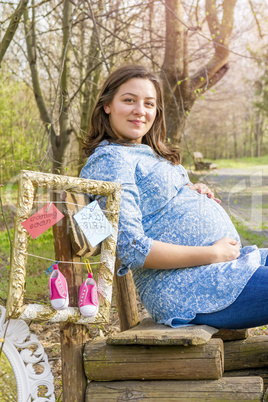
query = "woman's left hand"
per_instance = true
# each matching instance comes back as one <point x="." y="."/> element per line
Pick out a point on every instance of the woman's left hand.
<point x="203" y="189"/>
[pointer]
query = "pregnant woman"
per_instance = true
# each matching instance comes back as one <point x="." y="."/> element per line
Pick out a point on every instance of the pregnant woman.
<point x="181" y="246"/>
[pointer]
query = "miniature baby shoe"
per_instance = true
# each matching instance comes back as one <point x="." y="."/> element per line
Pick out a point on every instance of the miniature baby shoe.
<point x="88" y="297"/>
<point x="58" y="289"/>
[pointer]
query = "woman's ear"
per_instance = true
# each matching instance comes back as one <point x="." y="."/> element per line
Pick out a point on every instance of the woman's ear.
<point x="107" y="109"/>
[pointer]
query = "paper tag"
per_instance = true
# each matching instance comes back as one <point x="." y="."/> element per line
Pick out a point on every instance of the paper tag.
<point x="93" y="223"/>
<point x="42" y="220"/>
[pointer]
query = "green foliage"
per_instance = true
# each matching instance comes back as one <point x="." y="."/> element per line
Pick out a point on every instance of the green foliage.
<point x="36" y="278"/>
<point x="22" y="144"/>
<point x="8" y="387"/>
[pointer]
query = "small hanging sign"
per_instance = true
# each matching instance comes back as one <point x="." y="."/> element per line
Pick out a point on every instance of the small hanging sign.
<point x="93" y="223"/>
<point x="42" y="220"/>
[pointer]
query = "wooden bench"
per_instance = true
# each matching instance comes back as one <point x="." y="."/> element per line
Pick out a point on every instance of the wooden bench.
<point x="152" y="362"/>
<point x="188" y="361"/>
<point x="199" y="163"/>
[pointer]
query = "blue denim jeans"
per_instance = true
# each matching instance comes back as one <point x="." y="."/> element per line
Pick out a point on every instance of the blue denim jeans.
<point x="249" y="310"/>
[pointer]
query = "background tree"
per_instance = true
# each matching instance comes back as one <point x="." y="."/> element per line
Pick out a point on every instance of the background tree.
<point x="72" y="46"/>
<point x="181" y="85"/>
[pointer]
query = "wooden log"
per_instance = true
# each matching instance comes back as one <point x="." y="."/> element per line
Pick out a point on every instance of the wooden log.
<point x="232" y="334"/>
<point x="104" y="362"/>
<point x="126" y="300"/>
<point x="224" y="389"/>
<point x="150" y="333"/>
<point x="249" y="353"/>
<point x="72" y="336"/>
<point x="258" y="372"/>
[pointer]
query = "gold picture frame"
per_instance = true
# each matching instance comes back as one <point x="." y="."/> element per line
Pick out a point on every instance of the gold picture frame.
<point x="28" y="182"/>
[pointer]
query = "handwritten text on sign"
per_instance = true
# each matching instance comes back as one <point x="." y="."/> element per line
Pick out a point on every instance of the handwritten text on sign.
<point x="42" y="220"/>
<point x="93" y="223"/>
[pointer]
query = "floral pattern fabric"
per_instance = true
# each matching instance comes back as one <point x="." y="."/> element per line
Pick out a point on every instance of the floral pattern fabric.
<point x="156" y="204"/>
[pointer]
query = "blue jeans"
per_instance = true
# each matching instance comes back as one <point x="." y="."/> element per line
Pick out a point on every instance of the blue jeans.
<point x="249" y="310"/>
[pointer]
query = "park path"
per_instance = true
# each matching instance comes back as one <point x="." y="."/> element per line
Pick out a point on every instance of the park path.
<point x="244" y="195"/>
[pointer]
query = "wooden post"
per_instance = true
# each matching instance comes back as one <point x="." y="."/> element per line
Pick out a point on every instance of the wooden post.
<point x="72" y="336"/>
<point x="126" y="300"/>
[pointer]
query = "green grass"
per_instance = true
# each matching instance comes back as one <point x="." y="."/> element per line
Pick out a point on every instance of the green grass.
<point x="242" y="163"/>
<point x="245" y="232"/>
<point x="36" y="278"/>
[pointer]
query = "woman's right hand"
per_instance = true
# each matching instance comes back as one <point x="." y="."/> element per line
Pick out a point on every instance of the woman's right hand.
<point x="226" y="249"/>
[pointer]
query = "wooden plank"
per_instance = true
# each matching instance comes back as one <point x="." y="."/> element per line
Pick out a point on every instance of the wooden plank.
<point x="104" y="362"/>
<point x="126" y="300"/>
<point x="249" y="353"/>
<point x="150" y="333"/>
<point x="80" y="244"/>
<point x="225" y="389"/>
<point x="73" y="337"/>
<point x="232" y="334"/>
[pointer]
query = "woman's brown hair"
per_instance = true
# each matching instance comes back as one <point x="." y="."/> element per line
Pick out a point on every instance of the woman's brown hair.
<point x="100" y="129"/>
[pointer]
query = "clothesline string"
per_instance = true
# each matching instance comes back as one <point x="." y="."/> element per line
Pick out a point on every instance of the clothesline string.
<point x="72" y="203"/>
<point x="62" y="262"/>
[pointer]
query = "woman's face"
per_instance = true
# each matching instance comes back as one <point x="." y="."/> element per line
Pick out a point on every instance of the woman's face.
<point x="133" y="109"/>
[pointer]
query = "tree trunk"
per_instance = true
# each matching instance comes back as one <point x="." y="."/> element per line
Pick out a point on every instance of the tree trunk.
<point x="235" y="137"/>
<point x="178" y="96"/>
<point x="29" y="27"/>
<point x="59" y="142"/>
<point x="180" y="89"/>
<point x="60" y="162"/>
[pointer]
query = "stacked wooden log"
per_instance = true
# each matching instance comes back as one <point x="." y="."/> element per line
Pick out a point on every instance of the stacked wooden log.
<point x="247" y="357"/>
<point x="152" y="362"/>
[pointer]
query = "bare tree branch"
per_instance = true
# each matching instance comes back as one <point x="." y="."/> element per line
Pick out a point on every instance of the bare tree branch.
<point x="13" y="25"/>
<point x="220" y="33"/>
<point x="97" y="36"/>
<point x="256" y="19"/>
<point x="31" y="51"/>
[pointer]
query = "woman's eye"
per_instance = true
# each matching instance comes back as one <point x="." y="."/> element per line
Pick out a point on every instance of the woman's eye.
<point x="128" y="100"/>
<point x="150" y="104"/>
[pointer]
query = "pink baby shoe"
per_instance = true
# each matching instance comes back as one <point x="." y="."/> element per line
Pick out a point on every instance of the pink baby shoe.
<point x="88" y="297"/>
<point x="58" y="289"/>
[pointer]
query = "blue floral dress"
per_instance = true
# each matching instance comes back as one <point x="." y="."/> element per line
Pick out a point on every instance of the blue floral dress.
<point x="156" y="204"/>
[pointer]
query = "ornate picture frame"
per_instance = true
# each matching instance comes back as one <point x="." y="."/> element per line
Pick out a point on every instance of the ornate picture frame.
<point x="28" y="182"/>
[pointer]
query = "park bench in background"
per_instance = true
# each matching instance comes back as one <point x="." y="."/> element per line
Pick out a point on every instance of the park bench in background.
<point x="199" y="163"/>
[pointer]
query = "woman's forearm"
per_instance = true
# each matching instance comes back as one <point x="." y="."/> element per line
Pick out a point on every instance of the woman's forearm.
<point x="168" y="256"/>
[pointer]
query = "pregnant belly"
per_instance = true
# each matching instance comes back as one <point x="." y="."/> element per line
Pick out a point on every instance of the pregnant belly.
<point x="192" y="219"/>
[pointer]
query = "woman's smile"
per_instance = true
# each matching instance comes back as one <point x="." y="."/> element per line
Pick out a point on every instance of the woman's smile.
<point x="137" y="122"/>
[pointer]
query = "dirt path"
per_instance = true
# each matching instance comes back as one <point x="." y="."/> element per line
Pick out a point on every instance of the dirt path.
<point x="244" y="195"/>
